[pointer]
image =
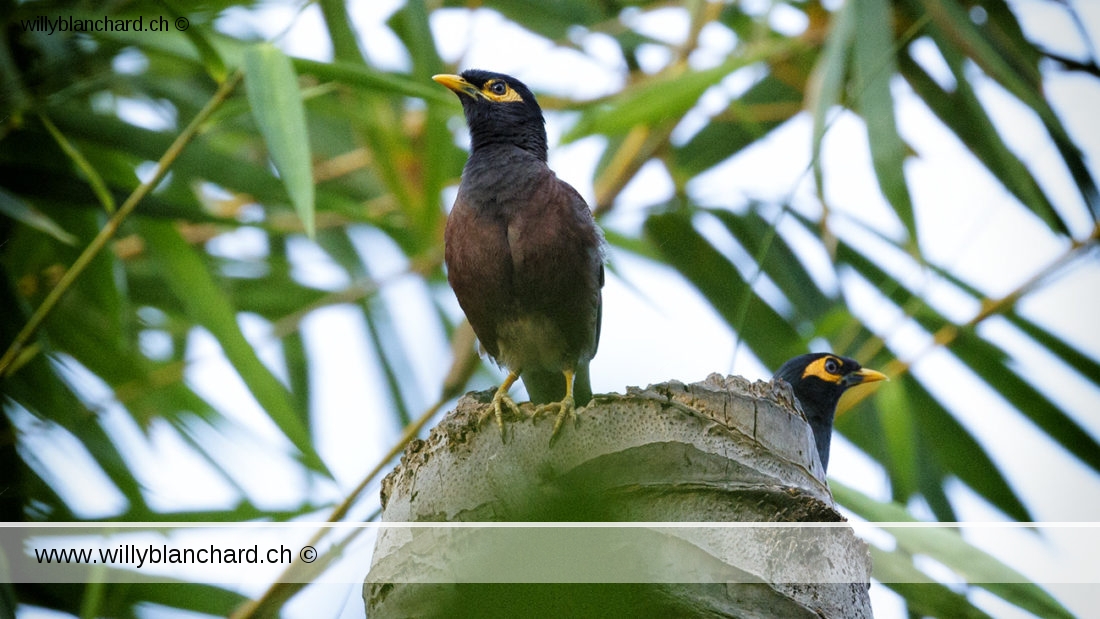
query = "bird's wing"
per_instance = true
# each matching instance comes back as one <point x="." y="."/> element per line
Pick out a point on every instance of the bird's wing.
<point x="479" y="268"/>
<point x="557" y="263"/>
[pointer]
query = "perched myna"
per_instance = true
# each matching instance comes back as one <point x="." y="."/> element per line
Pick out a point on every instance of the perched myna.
<point x="524" y="255"/>
<point x="819" y="379"/>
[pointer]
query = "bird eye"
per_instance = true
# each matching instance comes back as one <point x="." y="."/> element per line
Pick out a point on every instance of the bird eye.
<point x="831" y="366"/>
<point x="498" y="88"/>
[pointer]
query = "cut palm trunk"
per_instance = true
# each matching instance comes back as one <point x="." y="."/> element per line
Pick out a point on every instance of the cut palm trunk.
<point x="720" y="454"/>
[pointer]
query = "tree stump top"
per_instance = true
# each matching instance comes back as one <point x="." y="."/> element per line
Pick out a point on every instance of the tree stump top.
<point x="721" y="432"/>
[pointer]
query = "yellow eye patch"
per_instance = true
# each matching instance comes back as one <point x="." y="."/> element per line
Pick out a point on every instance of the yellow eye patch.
<point x="820" y="368"/>
<point x="500" y="91"/>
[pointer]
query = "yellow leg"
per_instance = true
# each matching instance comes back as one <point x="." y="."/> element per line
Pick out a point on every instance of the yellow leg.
<point x="565" y="408"/>
<point x="501" y="400"/>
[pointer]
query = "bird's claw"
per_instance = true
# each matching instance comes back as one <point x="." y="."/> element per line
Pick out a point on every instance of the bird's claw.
<point x="501" y="400"/>
<point x="566" y="409"/>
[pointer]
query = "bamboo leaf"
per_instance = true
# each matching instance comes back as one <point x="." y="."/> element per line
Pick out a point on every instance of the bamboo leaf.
<point x="948" y="547"/>
<point x="211" y="59"/>
<point x="1065" y="351"/>
<point x="276" y="105"/>
<point x="345" y="44"/>
<point x="964" y="115"/>
<point x="776" y="257"/>
<point x="206" y="304"/>
<point x="120" y="596"/>
<point x="923" y="596"/>
<point x="874" y="67"/>
<point x="12" y="206"/>
<point x="550" y="19"/>
<point x="78" y="159"/>
<point x="988" y="362"/>
<point x="959" y="452"/>
<point x="233" y="52"/>
<point x="898" y="424"/>
<point x="1021" y="78"/>
<point x="372" y="81"/>
<point x="933" y="480"/>
<point x="760" y="326"/>
<point x="826" y="85"/>
<point x="411" y="23"/>
<point x="661" y="99"/>
<point x="198" y="160"/>
<point x="956" y="450"/>
<point x="762" y="108"/>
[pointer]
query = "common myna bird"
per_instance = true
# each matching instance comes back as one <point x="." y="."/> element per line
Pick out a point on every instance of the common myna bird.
<point x="524" y="255"/>
<point x="818" y="380"/>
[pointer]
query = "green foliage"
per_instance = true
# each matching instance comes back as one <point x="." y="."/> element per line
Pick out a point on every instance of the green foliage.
<point x="98" y="254"/>
<point x="274" y="100"/>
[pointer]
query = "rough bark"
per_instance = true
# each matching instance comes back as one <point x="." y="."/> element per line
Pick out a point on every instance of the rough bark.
<point x="723" y="450"/>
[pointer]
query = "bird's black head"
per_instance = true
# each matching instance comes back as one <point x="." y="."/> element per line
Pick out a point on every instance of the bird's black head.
<point x="499" y="110"/>
<point x="818" y="380"/>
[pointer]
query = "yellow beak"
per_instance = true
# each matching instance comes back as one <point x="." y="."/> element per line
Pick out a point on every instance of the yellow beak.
<point x="457" y="84"/>
<point x="866" y="375"/>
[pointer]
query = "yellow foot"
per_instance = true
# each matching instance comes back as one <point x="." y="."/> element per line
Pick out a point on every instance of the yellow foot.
<point x="565" y="410"/>
<point x="501" y="400"/>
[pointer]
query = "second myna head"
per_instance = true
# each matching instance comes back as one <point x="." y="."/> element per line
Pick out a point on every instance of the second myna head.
<point x="499" y="109"/>
<point x="818" y="380"/>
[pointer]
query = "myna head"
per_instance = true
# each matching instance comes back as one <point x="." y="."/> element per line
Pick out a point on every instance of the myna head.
<point x="499" y="110"/>
<point x="818" y="380"/>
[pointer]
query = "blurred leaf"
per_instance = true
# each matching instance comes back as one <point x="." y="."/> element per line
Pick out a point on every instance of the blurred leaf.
<point x="272" y="88"/>
<point x="274" y="293"/>
<point x="411" y="24"/>
<point x="959" y="452"/>
<point x="199" y="160"/>
<point x="873" y="68"/>
<point x="933" y="483"/>
<point x="774" y="255"/>
<point x="233" y="52"/>
<point x="954" y="28"/>
<point x="826" y="85"/>
<point x="762" y="108"/>
<point x="345" y="44"/>
<point x="663" y="98"/>
<point x="81" y="163"/>
<point x="12" y="206"/>
<point x="923" y="596"/>
<point x="899" y="433"/>
<point x="211" y="59"/>
<point x="120" y="597"/>
<point x="188" y="596"/>
<point x="550" y="19"/>
<point x="1022" y="79"/>
<point x="766" y="332"/>
<point x="373" y="81"/>
<point x="980" y="136"/>
<point x="947" y="546"/>
<point x="378" y="322"/>
<point x="989" y="363"/>
<point x="1065" y="351"/>
<point x="207" y="305"/>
